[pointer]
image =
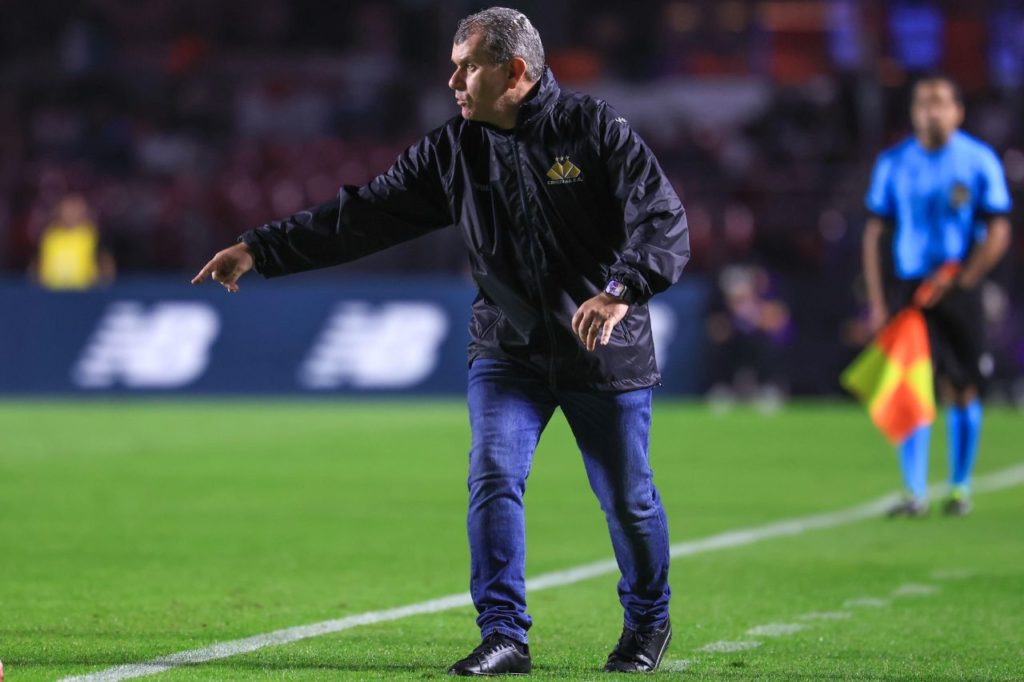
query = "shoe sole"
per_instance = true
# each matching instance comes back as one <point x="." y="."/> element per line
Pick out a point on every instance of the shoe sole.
<point x="906" y="514"/>
<point x="452" y="674"/>
<point x="489" y="675"/>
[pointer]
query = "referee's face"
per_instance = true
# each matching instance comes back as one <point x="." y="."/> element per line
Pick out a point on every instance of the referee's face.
<point x="935" y="112"/>
<point x="479" y="85"/>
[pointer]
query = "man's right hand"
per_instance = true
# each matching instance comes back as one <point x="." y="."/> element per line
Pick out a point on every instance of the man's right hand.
<point x="227" y="266"/>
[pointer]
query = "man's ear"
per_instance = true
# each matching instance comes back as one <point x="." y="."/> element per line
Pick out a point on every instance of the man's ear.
<point x="516" y="72"/>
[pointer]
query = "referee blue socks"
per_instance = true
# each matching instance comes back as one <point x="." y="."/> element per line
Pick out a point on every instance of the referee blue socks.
<point x="964" y="425"/>
<point x="914" y="462"/>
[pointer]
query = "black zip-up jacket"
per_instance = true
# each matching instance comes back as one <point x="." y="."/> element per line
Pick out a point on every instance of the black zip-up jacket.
<point x="550" y="210"/>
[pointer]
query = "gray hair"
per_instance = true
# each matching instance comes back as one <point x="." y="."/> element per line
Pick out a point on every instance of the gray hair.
<point x="507" y="34"/>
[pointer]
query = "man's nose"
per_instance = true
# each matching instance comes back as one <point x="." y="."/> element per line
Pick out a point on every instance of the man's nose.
<point x="455" y="82"/>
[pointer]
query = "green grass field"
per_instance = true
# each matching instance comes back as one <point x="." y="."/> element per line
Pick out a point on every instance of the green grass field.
<point x="133" y="530"/>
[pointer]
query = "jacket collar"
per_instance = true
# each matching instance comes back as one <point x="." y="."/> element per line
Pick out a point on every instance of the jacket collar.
<point x="541" y="96"/>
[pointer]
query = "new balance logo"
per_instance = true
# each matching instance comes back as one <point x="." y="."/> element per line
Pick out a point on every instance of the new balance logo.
<point x="167" y="346"/>
<point x="663" y="331"/>
<point x="563" y="171"/>
<point x="390" y="346"/>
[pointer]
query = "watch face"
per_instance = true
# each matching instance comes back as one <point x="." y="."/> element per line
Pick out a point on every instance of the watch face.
<point x="615" y="288"/>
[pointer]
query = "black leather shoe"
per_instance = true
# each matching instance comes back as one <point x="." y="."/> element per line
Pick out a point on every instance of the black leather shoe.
<point x="639" y="651"/>
<point x="496" y="655"/>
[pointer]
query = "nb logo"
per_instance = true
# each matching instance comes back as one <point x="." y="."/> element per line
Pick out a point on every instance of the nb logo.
<point x="563" y="171"/>
<point x="663" y="331"/>
<point x="395" y="345"/>
<point x="619" y="120"/>
<point x="167" y="346"/>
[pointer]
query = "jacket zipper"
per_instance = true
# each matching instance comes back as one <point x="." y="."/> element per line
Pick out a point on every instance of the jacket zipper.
<point x="533" y="263"/>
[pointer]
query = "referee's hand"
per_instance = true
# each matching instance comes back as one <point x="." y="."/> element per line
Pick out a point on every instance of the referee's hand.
<point x="935" y="288"/>
<point x="596" y="318"/>
<point x="227" y="266"/>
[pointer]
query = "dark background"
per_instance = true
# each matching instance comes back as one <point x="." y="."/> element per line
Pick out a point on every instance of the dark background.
<point x="186" y="122"/>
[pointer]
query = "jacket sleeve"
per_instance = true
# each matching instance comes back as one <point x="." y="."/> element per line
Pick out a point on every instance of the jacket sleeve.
<point x="658" y="243"/>
<point x="404" y="203"/>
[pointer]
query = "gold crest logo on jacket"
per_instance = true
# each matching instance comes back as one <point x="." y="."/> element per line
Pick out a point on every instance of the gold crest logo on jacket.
<point x="564" y="171"/>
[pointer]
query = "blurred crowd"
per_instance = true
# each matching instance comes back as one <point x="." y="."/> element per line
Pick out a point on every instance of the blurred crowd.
<point x="176" y="125"/>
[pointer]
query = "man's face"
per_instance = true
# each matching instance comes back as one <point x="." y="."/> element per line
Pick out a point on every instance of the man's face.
<point x="934" y="112"/>
<point x="478" y="84"/>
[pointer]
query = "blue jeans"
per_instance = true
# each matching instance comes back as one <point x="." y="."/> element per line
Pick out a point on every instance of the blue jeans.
<point x="509" y="406"/>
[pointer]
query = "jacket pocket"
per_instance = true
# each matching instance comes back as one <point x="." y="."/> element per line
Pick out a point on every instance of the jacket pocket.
<point x="623" y="328"/>
<point x="484" y="322"/>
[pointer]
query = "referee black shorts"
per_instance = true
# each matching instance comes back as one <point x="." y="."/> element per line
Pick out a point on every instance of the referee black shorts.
<point x="956" y="332"/>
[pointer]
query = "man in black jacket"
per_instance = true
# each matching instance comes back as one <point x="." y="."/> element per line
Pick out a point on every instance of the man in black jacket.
<point x="571" y="227"/>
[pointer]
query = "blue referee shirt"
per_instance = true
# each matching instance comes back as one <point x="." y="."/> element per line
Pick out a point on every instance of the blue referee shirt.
<point x="937" y="200"/>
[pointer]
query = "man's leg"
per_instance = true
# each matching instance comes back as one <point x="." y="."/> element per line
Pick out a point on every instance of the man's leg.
<point x="508" y="409"/>
<point x="964" y="418"/>
<point x="914" y="463"/>
<point x="912" y="453"/>
<point x="964" y="432"/>
<point x="612" y="431"/>
<point x="961" y="352"/>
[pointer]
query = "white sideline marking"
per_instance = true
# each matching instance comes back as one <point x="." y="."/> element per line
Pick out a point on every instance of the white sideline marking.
<point x="783" y="629"/>
<point x="730" y="647"/>
<point x="776" y="629"/>
<point x="825" y="615"/>
<point x="678" y="666"/>
<point x="870" y="602"/>
<point x="1007" y="478"/>
<point x="914" y="590"/>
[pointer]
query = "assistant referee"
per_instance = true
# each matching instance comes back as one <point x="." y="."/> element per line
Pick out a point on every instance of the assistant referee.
<point x="939" y="201"/>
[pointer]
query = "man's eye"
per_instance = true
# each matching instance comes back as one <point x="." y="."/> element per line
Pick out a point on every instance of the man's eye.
<point x="471" y="67"/>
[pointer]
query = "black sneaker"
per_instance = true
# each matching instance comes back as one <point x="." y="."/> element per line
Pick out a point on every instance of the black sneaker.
<point x="639" y="651"/>
<point x="496" y="655"/>
<point x="956" y="506"/>
<point x="909" y="507"/>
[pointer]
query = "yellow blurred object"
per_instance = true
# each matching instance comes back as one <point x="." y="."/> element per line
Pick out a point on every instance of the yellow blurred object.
<point x="68" y="256"/>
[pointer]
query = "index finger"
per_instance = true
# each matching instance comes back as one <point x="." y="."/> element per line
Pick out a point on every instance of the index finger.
<point x="204" y="273"/>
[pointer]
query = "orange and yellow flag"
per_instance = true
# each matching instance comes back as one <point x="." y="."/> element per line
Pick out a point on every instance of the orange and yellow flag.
<point x="893" y="377"/>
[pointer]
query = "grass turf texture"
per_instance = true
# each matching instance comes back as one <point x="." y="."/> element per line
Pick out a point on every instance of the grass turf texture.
<point x="135" y="530"/>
